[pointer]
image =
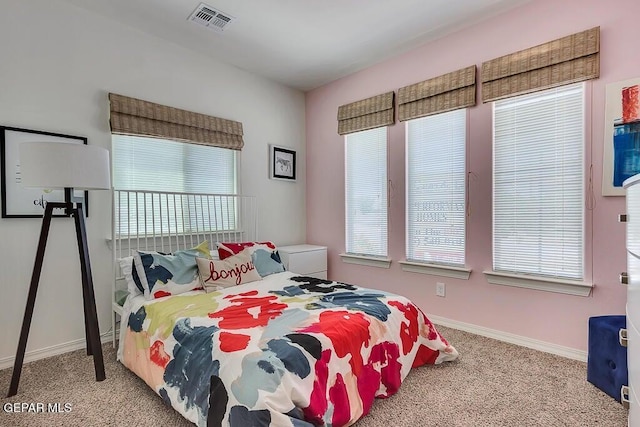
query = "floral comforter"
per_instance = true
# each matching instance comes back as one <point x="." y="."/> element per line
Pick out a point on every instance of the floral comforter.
<point x="285" y="351"/>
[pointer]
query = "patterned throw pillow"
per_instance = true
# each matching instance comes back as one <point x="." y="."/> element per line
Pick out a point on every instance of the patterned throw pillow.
<point x="232" y="271"/>
<point x="267" y="262"/>
<point x="169" y="274"/>
<point x="225" y="250"/>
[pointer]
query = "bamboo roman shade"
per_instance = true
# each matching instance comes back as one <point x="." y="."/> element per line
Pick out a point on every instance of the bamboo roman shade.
<point x="131" y="116"/>
<point x="368" y="113"/>
<point x="437" y="95"/>
<point x="570" y="59"/>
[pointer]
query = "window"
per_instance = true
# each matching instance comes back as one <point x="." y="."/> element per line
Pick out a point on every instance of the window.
<point x="538" y="184"/>
<point x="366" y="192"/>
<point x="435" y="164"/>
<point x="153" y="164"/>
<point x="160" y="165"/>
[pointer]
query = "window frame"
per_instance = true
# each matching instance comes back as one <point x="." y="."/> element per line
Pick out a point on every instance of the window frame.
<point x="373" y="260"/>
<point x="184" y="165"/>
<point x="434" y="267"/>
<point x="579" y="287"/>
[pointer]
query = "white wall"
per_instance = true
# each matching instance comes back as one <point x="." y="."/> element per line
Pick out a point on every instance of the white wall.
<point x="57" y="65"/>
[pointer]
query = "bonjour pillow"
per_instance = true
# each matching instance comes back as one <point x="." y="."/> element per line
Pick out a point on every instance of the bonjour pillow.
<point x="228" y="249"/>
<point x="232" y="271"/>
<point x="169" y="274"/>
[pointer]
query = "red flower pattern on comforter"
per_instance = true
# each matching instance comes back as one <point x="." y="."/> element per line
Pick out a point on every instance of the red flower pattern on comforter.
<point x="287" y="351"/>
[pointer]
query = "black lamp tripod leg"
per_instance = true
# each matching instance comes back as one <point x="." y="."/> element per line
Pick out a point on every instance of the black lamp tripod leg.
<point x="92" y="331"/>
<point x="86" y="324"/>
<point x="91" y="317"/>
<point x="31" y="301"/>
<point x="85" y="307"/>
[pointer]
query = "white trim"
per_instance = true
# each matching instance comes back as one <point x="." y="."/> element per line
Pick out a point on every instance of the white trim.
<point x="369" y="261"/>
<point x="436" y="269"/>
<point x="548" y="284"/>
<point x="54" y="350"/>
<point x="547" y="347"/>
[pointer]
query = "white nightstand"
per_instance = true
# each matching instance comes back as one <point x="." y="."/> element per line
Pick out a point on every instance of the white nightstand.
<point x="309" y="260"/>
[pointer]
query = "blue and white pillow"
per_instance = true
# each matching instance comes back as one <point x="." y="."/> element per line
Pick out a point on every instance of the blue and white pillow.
<point x="267" y="262"/>
<point x="163" y="275"/>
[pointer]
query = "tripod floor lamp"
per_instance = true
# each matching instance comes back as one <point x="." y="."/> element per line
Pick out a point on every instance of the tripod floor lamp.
<point x="68" y="166"/>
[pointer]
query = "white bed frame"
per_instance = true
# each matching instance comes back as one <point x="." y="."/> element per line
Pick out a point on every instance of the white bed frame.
<point x="166" y="222"/>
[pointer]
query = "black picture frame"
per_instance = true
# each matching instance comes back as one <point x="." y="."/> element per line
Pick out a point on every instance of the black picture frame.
<point x="282" y="163"/>
<point x="19" y="202"/>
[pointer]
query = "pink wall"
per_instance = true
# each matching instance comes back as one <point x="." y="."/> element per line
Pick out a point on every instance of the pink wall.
<point x="550" y="317"/>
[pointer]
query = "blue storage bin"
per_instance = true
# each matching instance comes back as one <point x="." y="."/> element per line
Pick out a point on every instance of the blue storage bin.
<point x="607" y="359"/>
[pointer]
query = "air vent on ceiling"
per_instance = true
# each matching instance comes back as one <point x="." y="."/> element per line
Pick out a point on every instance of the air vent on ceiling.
<point x="211" y="18"/>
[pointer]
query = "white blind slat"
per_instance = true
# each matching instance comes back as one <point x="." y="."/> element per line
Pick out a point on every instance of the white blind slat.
<point x="538" y="186"/>
<point x="366" y="192"/>
<point x="154" y="164"/>
<point x="435" y="159"/>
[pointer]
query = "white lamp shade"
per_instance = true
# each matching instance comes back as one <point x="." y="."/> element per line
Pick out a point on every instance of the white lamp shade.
<point x="64" y="165"/>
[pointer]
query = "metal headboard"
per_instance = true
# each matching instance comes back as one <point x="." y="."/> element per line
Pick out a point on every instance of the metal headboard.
<point x="166" y="222"/>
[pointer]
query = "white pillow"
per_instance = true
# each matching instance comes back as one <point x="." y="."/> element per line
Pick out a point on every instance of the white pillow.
<point x="126" y="267"/>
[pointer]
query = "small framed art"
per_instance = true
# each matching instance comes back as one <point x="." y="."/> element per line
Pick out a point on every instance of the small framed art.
<point x="23" y="202"/>
<point x="282" y="163"/>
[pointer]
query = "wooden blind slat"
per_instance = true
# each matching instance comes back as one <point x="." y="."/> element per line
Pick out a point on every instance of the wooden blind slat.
<point x="366" y="114"/>
<point x="131" y="116"/>
<point x="437" y="95"/>
<point x="570" y="59"/>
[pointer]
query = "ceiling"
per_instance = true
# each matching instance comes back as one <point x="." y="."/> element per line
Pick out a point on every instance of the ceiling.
<point x="303" y="43"/>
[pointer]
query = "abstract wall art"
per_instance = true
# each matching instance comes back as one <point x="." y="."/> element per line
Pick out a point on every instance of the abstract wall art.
<point x="621" y="158"/>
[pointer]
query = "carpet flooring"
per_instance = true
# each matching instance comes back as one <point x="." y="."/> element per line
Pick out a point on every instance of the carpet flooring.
<point x="492" y="384"/>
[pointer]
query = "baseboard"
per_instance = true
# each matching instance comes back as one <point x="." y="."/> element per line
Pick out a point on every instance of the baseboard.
<point x="54" y="350"/>
<point x="568" y="352"/>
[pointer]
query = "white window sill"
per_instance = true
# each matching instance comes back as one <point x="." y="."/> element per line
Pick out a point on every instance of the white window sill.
<point x="562" y="286"/>
<point x="436" y="269"/>
<point x="370" y="261"/>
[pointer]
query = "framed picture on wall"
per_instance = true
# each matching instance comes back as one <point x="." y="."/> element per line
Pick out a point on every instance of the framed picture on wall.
<point x="282" y="163"/>
<point x="24" y="202"/>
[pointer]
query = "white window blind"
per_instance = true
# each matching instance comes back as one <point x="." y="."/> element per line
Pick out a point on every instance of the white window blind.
<point x="435" y="162"/>
<point x="366" y="192"/>
<point x="154" y="164"/>
<point x="538" y="183"/>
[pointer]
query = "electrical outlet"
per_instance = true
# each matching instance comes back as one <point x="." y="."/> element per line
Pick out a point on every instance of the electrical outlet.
<point x="440" y="289"/>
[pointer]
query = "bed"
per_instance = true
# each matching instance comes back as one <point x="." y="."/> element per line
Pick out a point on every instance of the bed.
<point x="277" y="350"/>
